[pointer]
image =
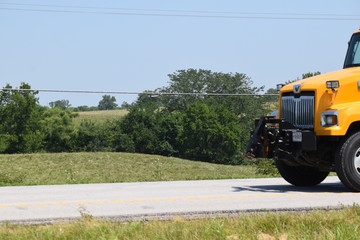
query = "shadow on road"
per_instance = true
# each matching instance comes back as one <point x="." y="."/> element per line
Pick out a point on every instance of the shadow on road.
<point x="324" y="187"/>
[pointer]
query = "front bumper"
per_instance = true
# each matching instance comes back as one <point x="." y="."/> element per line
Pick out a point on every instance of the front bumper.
<point x="274" y="137"/>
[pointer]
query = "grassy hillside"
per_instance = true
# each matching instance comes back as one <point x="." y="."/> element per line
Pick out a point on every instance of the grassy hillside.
<point x="103" y="167"/>
<point x="100" y="116"/>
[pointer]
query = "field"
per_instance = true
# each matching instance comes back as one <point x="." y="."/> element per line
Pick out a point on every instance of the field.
<point x="337" y="224"/>
<point x="100" y="116"/>
<point x="106" y="167"/>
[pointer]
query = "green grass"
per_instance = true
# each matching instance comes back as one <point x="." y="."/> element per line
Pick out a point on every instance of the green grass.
<point x="337" y="224"/>
<point x="107" y="167"/>
<point x="100" y="116"/>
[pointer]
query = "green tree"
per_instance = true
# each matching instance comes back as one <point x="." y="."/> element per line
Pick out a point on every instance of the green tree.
<point x="125" y="105"/>
<point x="152" y="130"/>
<point x="169" y="129"/>
<point x="149" y="101"/>
<point x="205" y="81"/>
<point x="93" y="137"/>
<point x="61" y="104"/>
<point x="81" y="108"/>
<point x="59" y="130"/>
<point x="107" y="103"/>
<point x="141" y="126"/>
<point x="197" y="84"/>
<point x="122" y="143"/>
<point x="210" y="133"/>
<point x="20" y="117"/>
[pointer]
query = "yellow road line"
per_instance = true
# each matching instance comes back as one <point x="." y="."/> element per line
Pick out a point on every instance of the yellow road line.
<point x="172" y="199"/>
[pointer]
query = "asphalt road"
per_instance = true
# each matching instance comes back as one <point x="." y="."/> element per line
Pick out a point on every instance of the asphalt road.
<point x="129" y="200"/>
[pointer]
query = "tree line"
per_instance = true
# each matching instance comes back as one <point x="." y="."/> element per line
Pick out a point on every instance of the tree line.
<point x="106" y="103"/>
<point x="205" y="128"/>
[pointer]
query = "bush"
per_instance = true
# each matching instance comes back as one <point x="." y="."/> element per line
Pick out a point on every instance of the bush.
<point x="58" y="130"/>
<point x="140" y="125"/>
<point x="210" y="133"/>
<point x="152" y="130"/>
<point x="266" y="167"/>
<point x="168" y="130"/>
<point x="123" y="143"/>
<point x="200" y="132"/>
<point x="94" y="137"/>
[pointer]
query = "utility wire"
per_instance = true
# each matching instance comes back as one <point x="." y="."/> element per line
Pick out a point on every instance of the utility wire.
<point x="179" y="11"/>
<point x="137" y="93"/>
<point x="182" y="15"/>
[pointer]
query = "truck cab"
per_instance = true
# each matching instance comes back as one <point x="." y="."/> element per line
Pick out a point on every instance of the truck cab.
<point x="316" y="129"/>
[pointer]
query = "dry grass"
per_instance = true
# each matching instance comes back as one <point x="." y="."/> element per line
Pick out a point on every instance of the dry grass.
<point x="339" y="224"/>
<point x="100" y="116"/>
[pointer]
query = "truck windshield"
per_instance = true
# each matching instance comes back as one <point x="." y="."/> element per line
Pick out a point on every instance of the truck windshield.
<point x="353" y="54"/>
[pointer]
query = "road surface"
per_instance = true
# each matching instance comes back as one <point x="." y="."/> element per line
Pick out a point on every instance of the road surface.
<point x="139" y="200"/>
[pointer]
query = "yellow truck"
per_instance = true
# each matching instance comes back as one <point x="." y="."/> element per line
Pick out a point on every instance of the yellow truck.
<point x="316" y="129"/>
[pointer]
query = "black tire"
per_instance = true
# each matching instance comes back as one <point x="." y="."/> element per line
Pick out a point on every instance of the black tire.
<point x="300" y="175"/>
<point x="347" y="161"/>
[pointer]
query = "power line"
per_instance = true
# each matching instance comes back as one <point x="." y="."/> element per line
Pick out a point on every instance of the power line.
<point x="137" y="93"/>
<point x="178" y="11"/>
<point x="182" y="15"/>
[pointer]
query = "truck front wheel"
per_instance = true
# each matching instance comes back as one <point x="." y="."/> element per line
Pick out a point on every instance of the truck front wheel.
<point x="347" y="161"/>
<point x="300" y="175"/>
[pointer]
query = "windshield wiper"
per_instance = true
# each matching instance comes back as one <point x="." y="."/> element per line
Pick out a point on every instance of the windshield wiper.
<point x="352" y="65"/>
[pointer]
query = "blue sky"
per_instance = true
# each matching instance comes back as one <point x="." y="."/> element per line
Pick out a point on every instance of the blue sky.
<point x="112" y="52"/>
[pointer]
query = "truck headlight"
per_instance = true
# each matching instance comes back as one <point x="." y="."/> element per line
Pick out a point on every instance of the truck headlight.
<point x="329" y="118"/>
<point x="332" y="84"/>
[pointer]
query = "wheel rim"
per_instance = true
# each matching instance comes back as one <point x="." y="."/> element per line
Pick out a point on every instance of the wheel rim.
<point x="357" y="161"/>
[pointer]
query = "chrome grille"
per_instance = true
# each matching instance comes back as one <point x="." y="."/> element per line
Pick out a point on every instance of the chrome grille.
<point x="298" y="111"/>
